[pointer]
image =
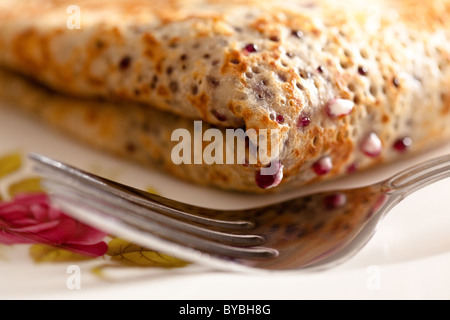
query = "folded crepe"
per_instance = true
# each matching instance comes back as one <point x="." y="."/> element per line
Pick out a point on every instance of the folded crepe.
<point x="345" y="86"/>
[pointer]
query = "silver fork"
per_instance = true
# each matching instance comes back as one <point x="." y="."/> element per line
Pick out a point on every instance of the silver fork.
<point x="312" y="232"/>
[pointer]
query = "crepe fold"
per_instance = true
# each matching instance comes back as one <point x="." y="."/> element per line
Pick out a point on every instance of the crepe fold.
<point x="345" y="86"/>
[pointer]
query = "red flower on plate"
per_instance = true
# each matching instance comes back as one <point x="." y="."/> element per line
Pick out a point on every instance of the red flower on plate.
<point x="30" y="218"/>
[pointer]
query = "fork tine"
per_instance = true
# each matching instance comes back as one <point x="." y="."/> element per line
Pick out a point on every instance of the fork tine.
<point x="103" y="211"/>
<point x="88" y="192"/>
<point x="141" y="217"/>
<point x="56" y="169"/>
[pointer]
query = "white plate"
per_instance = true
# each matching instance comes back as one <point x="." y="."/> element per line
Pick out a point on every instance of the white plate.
<point x="408" y="258"/>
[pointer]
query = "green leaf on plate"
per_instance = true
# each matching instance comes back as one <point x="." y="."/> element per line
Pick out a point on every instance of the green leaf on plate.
<point x="41" y="253"/>
<point x="130" y="254"/>
<point x="152" y="190"/>
<point x="28" y="185"/>
<point x="2" y="252"/>
<point x="10" y="163"/>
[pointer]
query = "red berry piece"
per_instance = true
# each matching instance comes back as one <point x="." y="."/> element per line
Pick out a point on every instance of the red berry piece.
<point x="335" y="201"/>
<point x="323" y="166"/>
<point x="401" y="145"/>
<point x="303" y="121"/>
<point x="352" y="168"/>
<point x="371" y="145"/>
<point x="337" y="108"/>
<point x="267" y="181"/>
<point x="251" y="48"/>
<point x="280" y="119"/>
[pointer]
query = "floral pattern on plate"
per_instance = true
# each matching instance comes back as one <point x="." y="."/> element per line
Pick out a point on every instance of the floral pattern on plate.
<point x="27" y="217"/>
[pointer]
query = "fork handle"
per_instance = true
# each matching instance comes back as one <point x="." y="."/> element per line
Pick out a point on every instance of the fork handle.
<point x="418" y="176"/>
